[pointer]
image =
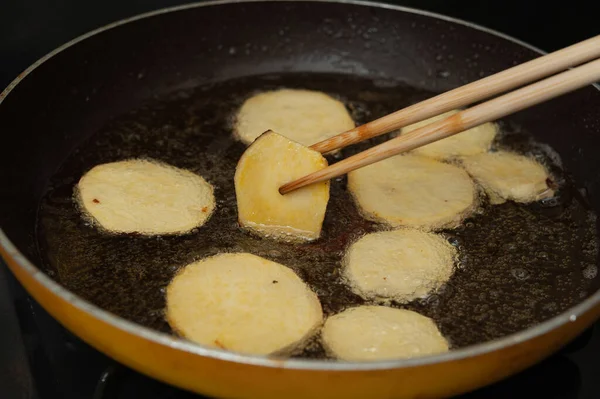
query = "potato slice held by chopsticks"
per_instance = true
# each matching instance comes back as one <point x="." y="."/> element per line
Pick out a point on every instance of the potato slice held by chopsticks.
<point x="271" y="161"/>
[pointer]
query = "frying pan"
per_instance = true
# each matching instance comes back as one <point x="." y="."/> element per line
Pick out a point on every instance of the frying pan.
<point x="56" y="105"/>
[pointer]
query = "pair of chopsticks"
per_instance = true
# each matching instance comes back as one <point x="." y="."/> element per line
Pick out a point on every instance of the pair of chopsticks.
<point x="583" y="75"/>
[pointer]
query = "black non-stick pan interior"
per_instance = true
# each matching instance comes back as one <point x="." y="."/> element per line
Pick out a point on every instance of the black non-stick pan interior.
<point x="167" y="87"/>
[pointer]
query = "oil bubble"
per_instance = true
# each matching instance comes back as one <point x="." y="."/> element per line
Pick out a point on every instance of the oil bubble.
<point x="520" y="274"/>
<point x="549" y="202"/>
<point x="590" y="272"/>
<point x="454" y="241"/>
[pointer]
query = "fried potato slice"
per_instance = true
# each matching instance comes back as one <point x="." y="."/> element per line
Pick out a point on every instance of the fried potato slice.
<point x="271" y="161"/>
<point x="416" y="191"/>
<point x="472" y="141"/>
<point x="371" y="333"/>
<point x="401" y="265"/>
<point x="304" y="116"/>
<point x="509" y="176"/>
<point x="242" y="303"/>
<point x="146" y="197"/>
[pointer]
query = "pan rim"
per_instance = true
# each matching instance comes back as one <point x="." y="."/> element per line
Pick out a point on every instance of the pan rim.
<point x="570" y="315"/>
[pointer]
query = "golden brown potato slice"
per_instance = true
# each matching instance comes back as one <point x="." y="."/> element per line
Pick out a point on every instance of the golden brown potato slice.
<point x="146" y="197"/>
<point x="271" y="161"/>
<point x="472" y="141"/>
<point x="304" y="116"/>
<point x="242" y="303"/>
<point x="508" y="176"/>
<point x="370" y="333"/>
<point x="401" y="265"/>
<point x="416" y="191"/>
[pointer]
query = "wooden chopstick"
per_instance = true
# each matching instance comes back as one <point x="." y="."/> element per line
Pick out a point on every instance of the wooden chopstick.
<point x="471" y="117"/>
<point x="482" y="89"/>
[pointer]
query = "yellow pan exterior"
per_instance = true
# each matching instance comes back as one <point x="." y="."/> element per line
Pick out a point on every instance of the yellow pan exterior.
<point x="220" y="378"/>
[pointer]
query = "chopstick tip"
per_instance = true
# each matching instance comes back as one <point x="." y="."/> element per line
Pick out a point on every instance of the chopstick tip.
<point x="283" y="190"/>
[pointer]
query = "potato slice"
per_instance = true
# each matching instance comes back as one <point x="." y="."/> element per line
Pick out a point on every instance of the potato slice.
<point x="401" y="265"/>
<point x="271" y="161"/>
<point x="508" y="176"/>
<point x="472" y="141"/>
<point x="304" y="116"/>
<point x="370" y="333"/>
<point x="411" y="190"/>
<point x="243" y="303"/>
<point x="146" y="197"/>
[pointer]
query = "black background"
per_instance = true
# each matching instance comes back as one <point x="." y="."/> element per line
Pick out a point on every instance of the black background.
<point x="31" y="28"/>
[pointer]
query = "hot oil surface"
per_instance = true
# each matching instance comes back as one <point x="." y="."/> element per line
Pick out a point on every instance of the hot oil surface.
<point x="519" y="264"/>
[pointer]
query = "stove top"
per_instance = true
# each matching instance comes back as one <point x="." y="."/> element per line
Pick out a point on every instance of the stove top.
<point x="39" y="359"/>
